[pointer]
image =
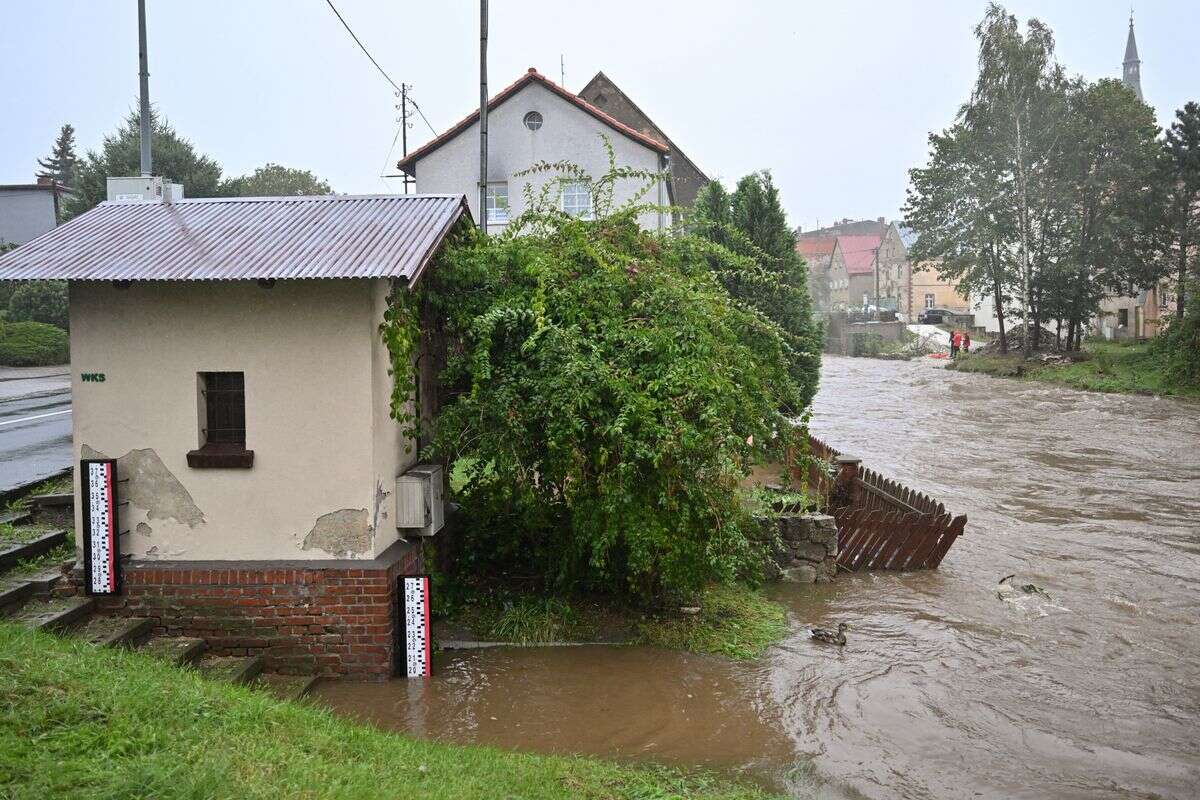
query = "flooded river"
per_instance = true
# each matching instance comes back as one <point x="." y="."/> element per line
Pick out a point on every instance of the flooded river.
<point x="945" y="690"/>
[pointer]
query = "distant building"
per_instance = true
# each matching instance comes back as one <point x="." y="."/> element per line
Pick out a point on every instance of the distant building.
<point x="686" y="178"/>
<point x="930" y="290"/>
<point x="818" y="254"/>
<point x="530" y="121"/>
<point x="875" y="260"/>
<point x="27" y="210"/>
<point x="1131" y="68"/>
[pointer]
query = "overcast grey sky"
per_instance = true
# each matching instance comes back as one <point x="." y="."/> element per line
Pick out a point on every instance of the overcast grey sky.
<point x="835" y="98"/>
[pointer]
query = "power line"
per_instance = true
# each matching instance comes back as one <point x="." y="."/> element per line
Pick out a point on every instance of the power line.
<point x="367" y="53"/>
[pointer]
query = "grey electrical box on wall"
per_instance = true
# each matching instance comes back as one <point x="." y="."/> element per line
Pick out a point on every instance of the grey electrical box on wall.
<point x="420" y="507"/>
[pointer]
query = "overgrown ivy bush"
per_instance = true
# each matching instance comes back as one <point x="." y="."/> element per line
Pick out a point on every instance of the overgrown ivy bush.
<point x="603" y="399"/>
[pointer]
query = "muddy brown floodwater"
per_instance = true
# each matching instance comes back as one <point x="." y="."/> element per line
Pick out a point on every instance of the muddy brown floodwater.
<point x="945" y="690"/>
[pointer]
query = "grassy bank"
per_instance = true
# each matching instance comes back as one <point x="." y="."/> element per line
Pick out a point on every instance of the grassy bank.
<point x="732" y="621"/>
<point x="1107" y="367"/>
<point x="79" y="721"/>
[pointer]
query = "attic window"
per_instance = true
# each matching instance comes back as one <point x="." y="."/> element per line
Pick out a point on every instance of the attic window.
<point x="533" y="120"/>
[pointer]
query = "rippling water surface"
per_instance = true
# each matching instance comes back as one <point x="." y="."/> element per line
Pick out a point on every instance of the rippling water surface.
<point x="945" y="690"/>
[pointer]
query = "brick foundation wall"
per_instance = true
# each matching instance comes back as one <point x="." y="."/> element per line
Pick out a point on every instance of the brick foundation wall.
<point x="334" y="619"/>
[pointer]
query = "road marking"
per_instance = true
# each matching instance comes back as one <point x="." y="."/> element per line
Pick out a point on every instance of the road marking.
<point x="39" y="416"/>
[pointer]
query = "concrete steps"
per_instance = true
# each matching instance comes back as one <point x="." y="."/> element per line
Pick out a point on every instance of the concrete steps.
<point x="286" y="687"/>
<point x="63" y="500"/>
<point x="177" y="650"/>
<point x="14" y="591"/>
<point x="114" y="631"/>
<point x="12" y="553"/>
<point x="231" y="669"/>
<point x="15" y="517"/>
<point x="53" y="614"/>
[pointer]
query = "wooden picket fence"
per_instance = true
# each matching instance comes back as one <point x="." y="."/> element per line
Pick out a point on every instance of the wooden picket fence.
<point x="882" y="524"/>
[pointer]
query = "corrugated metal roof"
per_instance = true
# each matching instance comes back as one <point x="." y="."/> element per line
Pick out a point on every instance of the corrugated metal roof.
<point x="243" y="238"/>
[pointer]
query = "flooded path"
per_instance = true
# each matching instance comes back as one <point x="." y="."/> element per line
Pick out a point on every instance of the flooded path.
<point x="945" y="690"/>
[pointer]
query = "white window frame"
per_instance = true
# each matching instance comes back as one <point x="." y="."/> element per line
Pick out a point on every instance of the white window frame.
<point x="568" y="200"/>
<point x="929" y="298"/>
<point x="496" y="214"/>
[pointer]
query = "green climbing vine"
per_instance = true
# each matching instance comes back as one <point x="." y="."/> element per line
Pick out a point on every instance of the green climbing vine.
<point x="401" y="331"/>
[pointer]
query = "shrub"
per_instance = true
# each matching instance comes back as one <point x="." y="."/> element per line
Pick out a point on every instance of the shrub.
<point x="1180" y="346"/>
<point x="32" y="344"/>
<point x="606" y="397"/>
<point x="40" y="301"/>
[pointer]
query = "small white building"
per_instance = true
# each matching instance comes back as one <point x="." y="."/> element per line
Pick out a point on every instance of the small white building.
<point x="536" y="120"/>
<point x="227" y="354"/>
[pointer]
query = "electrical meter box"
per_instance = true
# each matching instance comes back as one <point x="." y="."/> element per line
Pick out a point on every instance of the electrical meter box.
<point x="420" y="504"/>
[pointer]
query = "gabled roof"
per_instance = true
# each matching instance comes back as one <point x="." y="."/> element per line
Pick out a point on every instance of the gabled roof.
<point x="243" y="238"/>
<point x="822" y="246"/>
<point x="859" y="252"/>
<point x="407" y="163"/>
<point x="640" y="120"/>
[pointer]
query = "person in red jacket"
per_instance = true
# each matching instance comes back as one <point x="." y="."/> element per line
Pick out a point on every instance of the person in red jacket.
<point x="955" y="341"/>
<point x="965" y="344"/>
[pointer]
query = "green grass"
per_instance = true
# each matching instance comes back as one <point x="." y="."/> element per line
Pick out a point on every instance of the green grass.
<point x="80" y="721"/>
<point x="734" y="621"/>
<point x="1111" y="367"/>
<point x="533" y="620"/>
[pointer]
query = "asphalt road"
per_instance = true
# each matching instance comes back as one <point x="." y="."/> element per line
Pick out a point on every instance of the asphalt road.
<point x="35" y="426"/>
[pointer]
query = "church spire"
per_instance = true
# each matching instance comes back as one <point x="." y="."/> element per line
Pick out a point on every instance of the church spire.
<point x="1132" y="74"/>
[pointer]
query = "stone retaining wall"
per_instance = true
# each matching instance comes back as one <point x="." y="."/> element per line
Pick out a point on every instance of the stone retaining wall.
<point x="805" y="547"/>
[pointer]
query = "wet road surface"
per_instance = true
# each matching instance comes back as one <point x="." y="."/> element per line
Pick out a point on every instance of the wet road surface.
<point x="945" y="690"/>
<point x="35" y="429"/>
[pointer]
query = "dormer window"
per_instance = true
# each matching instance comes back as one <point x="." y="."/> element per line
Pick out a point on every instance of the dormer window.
<point x="533" y="120"/>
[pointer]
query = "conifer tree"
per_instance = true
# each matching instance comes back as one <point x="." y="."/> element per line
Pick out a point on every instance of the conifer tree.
<point x="60" y="165"/>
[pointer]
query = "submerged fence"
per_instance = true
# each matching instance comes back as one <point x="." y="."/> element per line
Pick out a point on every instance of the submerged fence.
<point x="882" y="524"/>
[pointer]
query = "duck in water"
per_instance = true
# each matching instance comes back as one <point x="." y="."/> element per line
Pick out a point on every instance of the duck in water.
<point x="827" y="636"/>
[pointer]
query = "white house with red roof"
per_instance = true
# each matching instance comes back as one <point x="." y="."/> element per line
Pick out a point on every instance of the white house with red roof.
<point x="531" y="121"/>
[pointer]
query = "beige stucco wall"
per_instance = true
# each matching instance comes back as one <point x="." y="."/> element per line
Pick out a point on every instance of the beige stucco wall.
<point x="315" y="406"/>
<point x="925" y="280"/>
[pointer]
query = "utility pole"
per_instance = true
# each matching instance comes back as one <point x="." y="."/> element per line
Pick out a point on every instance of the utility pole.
<point x="404" y="87"/>
<point x="877" y="282"/>
<point x="483" y="114"/>
<point x="144" y="81"/>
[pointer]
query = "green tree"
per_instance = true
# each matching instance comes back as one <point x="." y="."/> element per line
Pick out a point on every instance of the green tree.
<point x="959" y="206"/>
<point x="61" y="164"/>
<point x="1013" y="113"/>
<point x="274" y="180"/>
<point x="1181" y="183"/>
<point x="1104" y="171"/>
<point x="772" y="277"/>
<point x="175" y="159"/>
<point x="606" y="396"/>
<point x="40" y="301"/>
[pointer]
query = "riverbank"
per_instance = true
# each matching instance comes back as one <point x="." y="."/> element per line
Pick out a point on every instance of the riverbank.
<point x="1105" y="367"/>
<point x="734" y="621"/>
<point x="77" y="720"/>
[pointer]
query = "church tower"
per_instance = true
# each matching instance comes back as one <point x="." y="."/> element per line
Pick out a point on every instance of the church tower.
<point x="1132" y="75"/>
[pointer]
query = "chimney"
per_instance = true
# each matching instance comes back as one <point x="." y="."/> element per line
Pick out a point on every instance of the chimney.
<point x="881" y="220"/>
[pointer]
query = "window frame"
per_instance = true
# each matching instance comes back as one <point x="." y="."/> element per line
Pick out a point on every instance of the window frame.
<point x="585" y="213"/>
<point x="490" y="197"/>
<point x="221" y="407"/>
<point x="533" y="116"/>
